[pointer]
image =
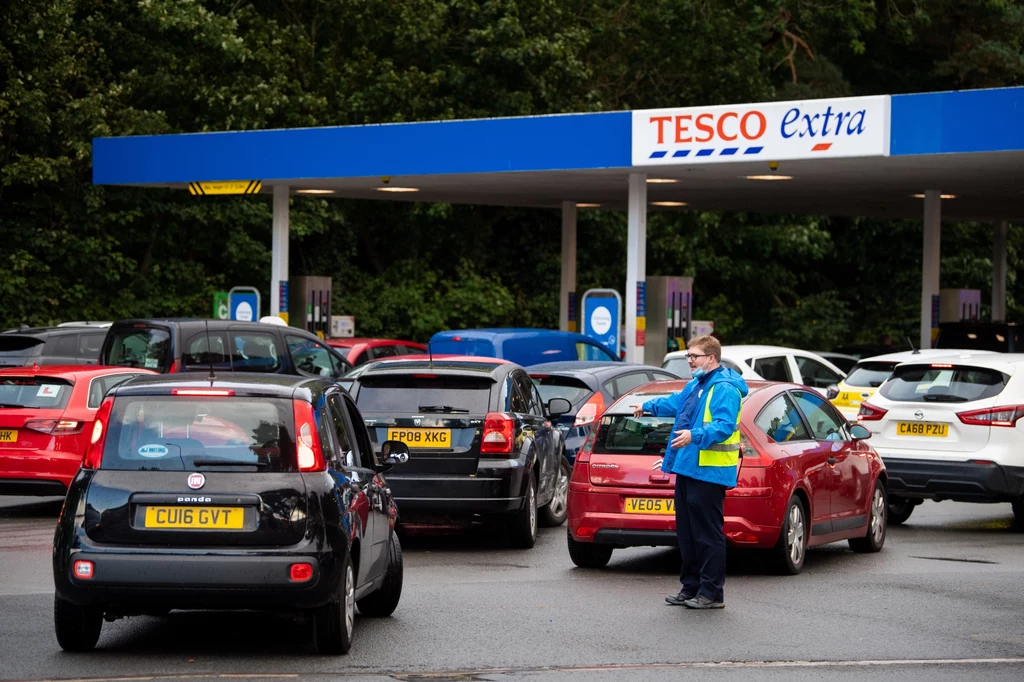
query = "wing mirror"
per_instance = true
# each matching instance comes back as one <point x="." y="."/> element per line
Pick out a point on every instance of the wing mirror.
<point x="832" y="392"/>
<point x="858" y="432"/>
<point x="558" y="406"/>
<point x="394" y="452"/>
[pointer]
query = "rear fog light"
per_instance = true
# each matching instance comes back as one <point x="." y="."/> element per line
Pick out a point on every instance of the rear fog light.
<point x="585" y="532"/>
<point x="83" y="569"/>
<point x="301" y="572"/>
<point x="741" y="536"/>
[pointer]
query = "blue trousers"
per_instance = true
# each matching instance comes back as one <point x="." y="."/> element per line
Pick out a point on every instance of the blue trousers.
<point x="699" y="529"/>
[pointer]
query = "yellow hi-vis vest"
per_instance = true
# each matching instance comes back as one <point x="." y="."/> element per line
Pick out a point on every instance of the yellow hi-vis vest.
<point x="726" y="453"/>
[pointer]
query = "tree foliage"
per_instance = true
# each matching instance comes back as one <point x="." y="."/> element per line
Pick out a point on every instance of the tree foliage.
<point x="72" y="70"/>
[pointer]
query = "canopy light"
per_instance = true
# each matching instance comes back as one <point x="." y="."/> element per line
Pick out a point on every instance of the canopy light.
<point x="314" y="191"/>
<point x="668" y="203"/>
<point x="587" y="205"/>
<point x="941" y="196"/>
<point x="398" y="189"/>
<point x="661" y="181"/>
<point x="768" y="177"/>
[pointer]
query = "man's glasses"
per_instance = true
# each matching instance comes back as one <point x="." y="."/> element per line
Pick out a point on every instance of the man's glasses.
<point x="697" y="356"/>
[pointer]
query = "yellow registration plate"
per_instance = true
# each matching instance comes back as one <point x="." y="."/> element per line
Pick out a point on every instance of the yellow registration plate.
<point x="215" y="518"/>
<point x="422" y="438"/>
<point x="650" y="505"/>
<point x="8" y="435"/>
<point x="848" y="399"/>
<point x="922" y="429"/>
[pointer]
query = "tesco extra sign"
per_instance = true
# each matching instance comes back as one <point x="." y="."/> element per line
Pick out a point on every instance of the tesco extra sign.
<point x="854" y="126"/>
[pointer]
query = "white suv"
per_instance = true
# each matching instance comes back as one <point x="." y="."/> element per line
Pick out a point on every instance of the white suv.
<point x="949" y="428"/>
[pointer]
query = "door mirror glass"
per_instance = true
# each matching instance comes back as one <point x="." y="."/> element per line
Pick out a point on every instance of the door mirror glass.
<point x="858" y="432"/>
<point x="394" y="452"/>
<point x="558" y="406"/>
<point x="832" y="391"/>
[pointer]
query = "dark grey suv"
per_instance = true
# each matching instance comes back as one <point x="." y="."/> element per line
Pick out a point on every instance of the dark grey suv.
<point x="61" y="345"/>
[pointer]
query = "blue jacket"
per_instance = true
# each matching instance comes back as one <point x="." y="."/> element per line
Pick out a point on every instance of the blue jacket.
<point x="725" y="406"/>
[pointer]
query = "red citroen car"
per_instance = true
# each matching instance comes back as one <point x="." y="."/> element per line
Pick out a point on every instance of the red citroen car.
<point x="806" y="478"/>
<point x="46" y="418"/>
<point x="359" y="351"/>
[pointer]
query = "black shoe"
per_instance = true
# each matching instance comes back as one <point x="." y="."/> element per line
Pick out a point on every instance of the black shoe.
<point x="678" y="599"/>
<point x="702" y="602"/>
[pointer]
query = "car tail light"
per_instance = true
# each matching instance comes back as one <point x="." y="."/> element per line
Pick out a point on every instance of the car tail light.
<point x="591" y="411"/>
<point x="55" y="427"/>
<point x="308" y="449"/>
<point x="586" y="531"/>
<point x="94" y="453"/>
<point x="1006" y="415"/>
<point x="300" y="572"/>
<point x="499" y="434"/>
<point x="583" y="456"/>
<point x="751" y="457"/>
<point x="870" y="413"/>
<point x="175" y="367"/>
<point x="83" y="569"/>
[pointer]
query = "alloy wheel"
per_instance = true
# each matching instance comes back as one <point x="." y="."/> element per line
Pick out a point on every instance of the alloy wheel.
<point x="350" y="601"/>
<point x="796" y="538"/>
<point x="878" y="509"/>
<point x="558" y="502"/>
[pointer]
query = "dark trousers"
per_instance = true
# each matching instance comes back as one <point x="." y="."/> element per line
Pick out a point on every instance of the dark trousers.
<point x="699" y="521"/>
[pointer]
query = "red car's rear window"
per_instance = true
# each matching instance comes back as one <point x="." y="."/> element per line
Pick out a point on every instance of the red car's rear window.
<point x="34" y="392"/>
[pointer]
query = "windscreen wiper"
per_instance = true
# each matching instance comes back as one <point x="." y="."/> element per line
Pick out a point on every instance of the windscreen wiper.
<point x="945" y="398"/>
<point x="227" y="463"/>
<point x="6" y="405"/>
<point x="440" y="408"/>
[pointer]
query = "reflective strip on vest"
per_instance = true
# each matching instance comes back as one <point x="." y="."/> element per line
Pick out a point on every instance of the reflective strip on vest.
<point x="726" y="453"/>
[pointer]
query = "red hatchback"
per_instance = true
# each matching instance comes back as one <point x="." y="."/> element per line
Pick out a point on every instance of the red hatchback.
<point x="46" y="418"/>
<point x="806" y="478"/>
<point x="360" y="351"/>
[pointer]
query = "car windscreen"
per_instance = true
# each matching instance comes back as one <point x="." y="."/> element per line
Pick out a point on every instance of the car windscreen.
<point x="170" y="433"/>
<point x="34" y="392"/>
<point x="573" y="390"/>
<point x="627" y="435"/>
<point x="424" y="394"/>
<point x="138" y="346"/>
<point x="869" y="374"/>
<point x="943" y="383"/>
<point x="678" y="365"/>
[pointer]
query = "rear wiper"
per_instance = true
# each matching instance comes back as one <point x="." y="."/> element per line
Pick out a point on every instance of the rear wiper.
<point x="944" y="398"/>
<point x="6" y="405"/>
<point x="440" y="408"/>
<point x="227" y="463"/>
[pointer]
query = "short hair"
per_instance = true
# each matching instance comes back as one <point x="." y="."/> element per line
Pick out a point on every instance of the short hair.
<point x="709" y="345"/>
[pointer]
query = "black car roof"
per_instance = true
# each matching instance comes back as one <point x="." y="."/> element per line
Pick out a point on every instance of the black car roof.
<point x="486" y="367"/>
<point x="242" y="383"/>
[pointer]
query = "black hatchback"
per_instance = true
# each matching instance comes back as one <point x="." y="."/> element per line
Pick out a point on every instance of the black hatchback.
<point x="241" y="492"/>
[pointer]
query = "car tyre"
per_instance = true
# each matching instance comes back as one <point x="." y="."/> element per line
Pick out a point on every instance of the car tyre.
<point x="384" y="600"/>
<point x="588" y="554"/>
<point x="523" y="528"/>
<point x="874" y="537"/>
<point x="554" y="513"/>
<point x="1018" y="512"/>
<point x="77" y="627"/>
<point x="335" y="621"/>
<point x="790" y="550"/>
<point x="900" y="509"/>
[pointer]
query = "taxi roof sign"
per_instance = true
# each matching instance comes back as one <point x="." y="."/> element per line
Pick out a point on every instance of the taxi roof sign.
<point x="226" y="187"/>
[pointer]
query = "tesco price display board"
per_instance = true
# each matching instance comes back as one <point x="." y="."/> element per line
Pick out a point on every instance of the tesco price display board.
<point x="775" y="131"/>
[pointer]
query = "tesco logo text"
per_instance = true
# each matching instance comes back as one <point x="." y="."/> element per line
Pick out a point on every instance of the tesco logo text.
<point x="729" y="126"/>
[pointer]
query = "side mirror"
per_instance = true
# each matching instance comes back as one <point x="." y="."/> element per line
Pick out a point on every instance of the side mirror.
<point x="832" y="392"/>
<point x="558" y="406"/>
<point x="858" y="432"/>
<point x="394" y="452"/>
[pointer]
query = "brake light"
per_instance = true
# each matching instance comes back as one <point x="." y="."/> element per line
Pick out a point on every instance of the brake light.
<point x="204" y="392"/>
<point x="300" y="572"/>
<point x="424" y="376"/>
<point x="309" y="453"/>
<point x="870" y="413"/>
<point x="583" y="456"/>
<point x="591" y="410"/>
<point x="499" y="432"/>
<point x="55" y="427"/>
<point x="941" y="365"/>
<point x="84" y="569"/>
<point x="94" y="453"/>
<point x="751" y="457"/>
<point x="1006" y="415"/>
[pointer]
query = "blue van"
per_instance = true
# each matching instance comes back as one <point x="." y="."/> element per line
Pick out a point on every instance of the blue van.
<point x="522" y="346"/>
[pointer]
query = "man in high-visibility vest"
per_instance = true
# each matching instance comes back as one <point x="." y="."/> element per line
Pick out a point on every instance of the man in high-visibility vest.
<point x="704" y="456"/>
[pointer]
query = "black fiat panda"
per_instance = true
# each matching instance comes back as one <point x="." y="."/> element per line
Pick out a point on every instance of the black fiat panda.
<point x="245" y="491"/>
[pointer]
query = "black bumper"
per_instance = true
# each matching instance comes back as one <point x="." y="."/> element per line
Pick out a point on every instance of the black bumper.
<point x="636" y="538"/>
<point x="491" y="491"/>
<point x="30" y="487"/>
<point x="959" y="481"/>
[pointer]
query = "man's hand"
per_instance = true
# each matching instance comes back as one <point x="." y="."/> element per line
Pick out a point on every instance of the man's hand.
<point x="638" y="411"/>
<point x="682" y="439"/>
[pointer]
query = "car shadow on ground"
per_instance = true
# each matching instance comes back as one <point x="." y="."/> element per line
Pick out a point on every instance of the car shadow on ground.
<point x="31" y="508"/>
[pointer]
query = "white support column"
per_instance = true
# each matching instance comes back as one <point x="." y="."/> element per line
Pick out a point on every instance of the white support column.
<point x="999" y="272"/>
<point x="279" y="252"/>
<point x="930" y="263"/>
<point x="636" y="263"/>
<point x="568" y="287"/>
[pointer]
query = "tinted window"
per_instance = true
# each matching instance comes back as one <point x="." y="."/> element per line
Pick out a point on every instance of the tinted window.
<point x="815" y="373"/>
<point x="362" y="357"/>
<point x="625" y="383"/>
<point x="384" y="352"/>
<point x="957" y="384"/>
<point x="520" y="399"/>
<point x="589" y="351"/>
<point x="254" y="352"/>
<point x="780" y="421"/>
<point x="100" y="386"/>
<point x="66" y="345"/>
<point x="411" y="350"/>
<point x="869" y="374"/>
<point x="20" y="345"/>
<point x="573" y="390"/>
<point x="359" y="434"/>
<point x="343" y="437"/>
<point x="37" y="391"/>
<point x="825" y="423"/>
<point x="313" y="358"/>
<point x="205" y="350"/>
<point x="628" y="435"/>
<point x="146" y="347"/>
<point x="409" y="394"/>
<point x="90" y="344"/>
<point x="773" y="369"/>
<point x="165" y="433"/>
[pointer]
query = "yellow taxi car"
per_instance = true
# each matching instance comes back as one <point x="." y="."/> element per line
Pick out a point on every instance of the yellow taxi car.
<point x="869" y="373"/>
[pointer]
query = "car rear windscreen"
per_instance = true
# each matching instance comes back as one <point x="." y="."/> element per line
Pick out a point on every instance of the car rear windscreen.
<point x="407" y="394"/>
<point x="139" y="346"/>
<point x="20" y="346"/>
<point x="573" y="390"/>
<point x="169" y="433"/>
<point x="627" y="435"/>
<point x="868" y="374"/>
<point x="34" y="392"/>
<point x="943" y="384"/>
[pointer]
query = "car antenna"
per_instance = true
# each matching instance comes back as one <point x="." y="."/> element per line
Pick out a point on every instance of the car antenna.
<point x="209" y="349"/>
<point x="916" y="350"/>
